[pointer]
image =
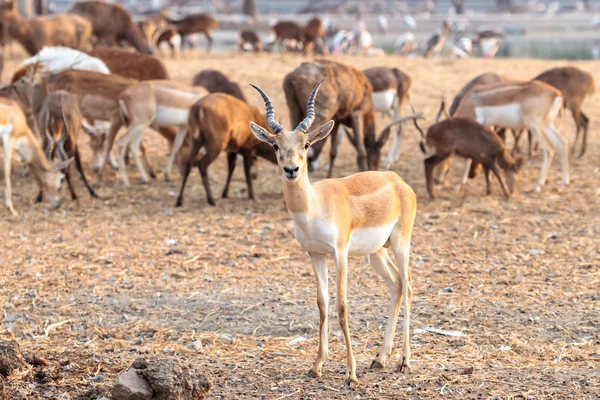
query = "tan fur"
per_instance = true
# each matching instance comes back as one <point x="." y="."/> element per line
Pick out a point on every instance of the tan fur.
<point x="360" y="215"/>
<point x="140" y="104"/>
<point x="24" y="142"/>
<point x="538" y="105"/>
<point x="217" y="123"/>
<point x="575" y="86"/>
<point x="68" y="30"/>
<point x="194" y="23"/>
<point x="112" y="23"/>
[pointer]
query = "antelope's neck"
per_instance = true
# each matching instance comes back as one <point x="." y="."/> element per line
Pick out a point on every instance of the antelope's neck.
<point x="299" y="195"/>
<point x="32" y="154"/>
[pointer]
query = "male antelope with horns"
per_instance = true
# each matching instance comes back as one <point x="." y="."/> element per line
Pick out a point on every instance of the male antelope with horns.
<point x="360" y="215"/>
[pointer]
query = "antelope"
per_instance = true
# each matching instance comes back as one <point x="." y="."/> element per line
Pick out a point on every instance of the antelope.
<point x="390" y="92"/>
<point x="112" y="23"/>
<point x="57" y="59"/>
<point x="141" y="67"/>
<point x="97" y="96"/>
<point x="16" y="136"/>
<point x="521" y="105"/>
<point x="469" y="139"/>
<point x="286" y="31"/>
<point x="169" y="37"/>
<point x="215" y="82"/>
<point x="348" y="101"/>
<point x="68" y="30"/>
<point x="360" y="215"/>
<point x="220" y="122"/>
<point x="152" y="25"/>
<point x="195" y="23"/>
<point x="60" y="117"/>
<point x="313" y="33"/>
<point x="152" y="104"/>
<point x="249" y="37"/>
<point x="575" y="85"/>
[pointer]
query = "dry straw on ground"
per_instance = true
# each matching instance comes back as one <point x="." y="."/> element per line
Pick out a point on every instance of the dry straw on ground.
<point x="96" y="284"/>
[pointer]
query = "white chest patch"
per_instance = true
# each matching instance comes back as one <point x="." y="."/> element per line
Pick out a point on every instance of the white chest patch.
<point x="383" y="101"/>
<point x="506" y="116"/>
<point x="168" y="116"/>
<point x="368" y="240"/>
<point x="315" y="236"/>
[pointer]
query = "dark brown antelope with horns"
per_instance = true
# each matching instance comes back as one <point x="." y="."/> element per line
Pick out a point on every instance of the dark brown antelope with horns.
<point x="361" y="215"/>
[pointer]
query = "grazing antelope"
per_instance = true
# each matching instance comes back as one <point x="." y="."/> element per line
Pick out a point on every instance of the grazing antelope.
<point x="68" y="30"/>
<point x="220" y="122"/>
<point x="575" y="85"/>
<point x="216" y="82"/>
<point x="112" y="23"/>
<point x="169" y="38"/>
<point x="390" y="92"/>
<point x="60" y="118"/>
<point x="289" y="32"/>
<point x="348" y="101"/>
<point x="16" y="136"/>
<point x="521" y="105"/>
<point x="150" y="105"/>
<point x="471" y="140"/>
<point x="313" y="36"/>
<point x="360" y="215"/>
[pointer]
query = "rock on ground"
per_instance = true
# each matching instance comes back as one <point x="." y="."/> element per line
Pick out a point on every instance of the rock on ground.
<point x="11" y="358"/>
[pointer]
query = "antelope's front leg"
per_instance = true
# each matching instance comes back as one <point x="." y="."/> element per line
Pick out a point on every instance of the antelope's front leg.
<point x="176" y="146"/>
<point x="319" y="263"/>
<point x="341" y="266"/>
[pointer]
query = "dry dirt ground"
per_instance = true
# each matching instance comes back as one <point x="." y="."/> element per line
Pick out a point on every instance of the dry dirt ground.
<point x="97" y="283"/>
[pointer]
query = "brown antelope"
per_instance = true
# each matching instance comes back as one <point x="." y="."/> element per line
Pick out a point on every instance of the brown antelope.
<point x="141" y="67"/>
<point x="68" y="30"/>
<point x="313" y="33"/>
<point x="150" y="105"/>
<point x="248" y="36"/>
<point x="390" y="92"/>
<point x="575" y="85"/>
<point x="220" y="122"/>
<point x="521" y="105"/>
<point x="360" y="215"/>
<point x="16" y="136"/>
<point x="60" y="119"/>
<point x="112" y="23"/>
<point x="169" y="37"/>
<point x="194" y="23"/>
<point x="348" y="101"/>
<point x="469" y="139"/>
<point x="152" y="25"/>
<point x="216" y="82"/>
<point x="289" y="32"/>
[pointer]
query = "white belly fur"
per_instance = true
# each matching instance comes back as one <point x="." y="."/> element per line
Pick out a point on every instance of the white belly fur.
<point x="506" y="116"/>
<point x="368" y="240"/>
<point x="383" y="101"/>
<point x="167" y="116"/>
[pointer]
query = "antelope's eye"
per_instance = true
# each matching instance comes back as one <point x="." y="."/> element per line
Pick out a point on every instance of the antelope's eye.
<point x="306" y="146"/>
<point x="275" y="147"/>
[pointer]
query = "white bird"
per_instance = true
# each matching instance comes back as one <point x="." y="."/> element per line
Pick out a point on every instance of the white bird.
<point x="410" y="21"/>
<point x="406" y="44"/>
<point x="382" y="23"/>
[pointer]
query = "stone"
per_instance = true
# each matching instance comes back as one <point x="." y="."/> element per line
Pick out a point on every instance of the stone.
<point x="131" y="385"/>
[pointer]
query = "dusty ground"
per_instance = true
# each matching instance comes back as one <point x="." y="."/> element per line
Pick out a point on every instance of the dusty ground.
<point x="520" y="278"/>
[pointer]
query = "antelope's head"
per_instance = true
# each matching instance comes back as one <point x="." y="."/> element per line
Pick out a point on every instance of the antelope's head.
<point x="291" y="147"/>
<point x="53" y="179"/>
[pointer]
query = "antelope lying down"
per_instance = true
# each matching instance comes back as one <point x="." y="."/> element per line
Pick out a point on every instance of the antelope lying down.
<point x="16" y="136"/>
<point x="360" y="215"/>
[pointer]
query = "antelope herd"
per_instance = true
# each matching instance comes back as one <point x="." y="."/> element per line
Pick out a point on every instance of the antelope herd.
<point x="67" y="88"/>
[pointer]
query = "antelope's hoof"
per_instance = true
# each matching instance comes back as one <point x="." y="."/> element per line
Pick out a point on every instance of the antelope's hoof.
<point x="351" y="382"/>
<point x="313" y="374"/>
<point x="404" y="366"/>
<point x="376" y="365"/>
<point x="152" y="175"/>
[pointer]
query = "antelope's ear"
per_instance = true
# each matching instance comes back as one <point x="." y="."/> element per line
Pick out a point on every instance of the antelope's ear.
<point x="262" y="134"/>
<point x="321" y="133"/>
<point x="61" y="166"/>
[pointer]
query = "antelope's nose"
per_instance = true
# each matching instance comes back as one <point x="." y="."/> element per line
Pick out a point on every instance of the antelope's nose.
<point x="290" y="170"/>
